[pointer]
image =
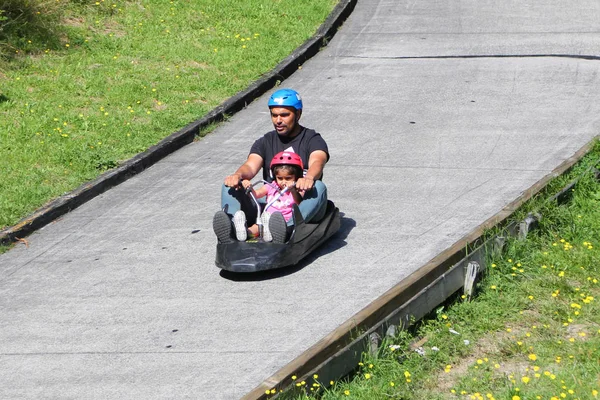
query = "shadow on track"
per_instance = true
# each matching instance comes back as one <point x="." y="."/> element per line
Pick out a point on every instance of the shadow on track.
<point x="336" y="242"/>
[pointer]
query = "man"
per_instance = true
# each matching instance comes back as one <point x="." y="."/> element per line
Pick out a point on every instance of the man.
<point x="286" y="109"/>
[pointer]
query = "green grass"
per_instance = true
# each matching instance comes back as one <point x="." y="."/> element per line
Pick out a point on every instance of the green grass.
<point x="532" y="331"/>
<point x="116" y="77"/>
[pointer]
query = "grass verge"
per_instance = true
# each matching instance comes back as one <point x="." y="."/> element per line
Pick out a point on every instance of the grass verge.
<point x="532" y="331"/>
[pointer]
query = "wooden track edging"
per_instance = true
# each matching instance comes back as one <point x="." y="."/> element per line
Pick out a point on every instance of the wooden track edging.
<point x="338" y="353"/>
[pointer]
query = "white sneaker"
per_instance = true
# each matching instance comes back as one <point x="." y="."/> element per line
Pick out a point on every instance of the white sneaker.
<point x="239" y="221"/>
<point x="264" y="218"/>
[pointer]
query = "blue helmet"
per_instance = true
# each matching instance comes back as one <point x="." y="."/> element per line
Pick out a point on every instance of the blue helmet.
<point x="286" y="98"/>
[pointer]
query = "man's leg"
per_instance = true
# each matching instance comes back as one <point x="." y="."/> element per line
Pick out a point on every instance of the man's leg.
<point x="233" y="200"/>
<point x="314" y="203"/>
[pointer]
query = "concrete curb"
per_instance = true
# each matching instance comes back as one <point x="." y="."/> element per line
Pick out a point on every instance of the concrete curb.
<point x="175" y="141"/>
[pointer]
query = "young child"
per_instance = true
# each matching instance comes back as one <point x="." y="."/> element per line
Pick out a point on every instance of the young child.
<point x="286" y="168"/>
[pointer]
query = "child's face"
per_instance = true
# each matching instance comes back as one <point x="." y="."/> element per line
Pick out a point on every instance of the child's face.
<point x="284" y="179"/>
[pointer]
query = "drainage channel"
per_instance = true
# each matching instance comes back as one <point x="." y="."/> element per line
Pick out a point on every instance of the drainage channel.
<point x="457" y="268"/>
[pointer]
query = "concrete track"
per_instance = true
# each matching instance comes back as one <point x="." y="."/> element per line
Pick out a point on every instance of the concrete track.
<point x="437" y="115"/>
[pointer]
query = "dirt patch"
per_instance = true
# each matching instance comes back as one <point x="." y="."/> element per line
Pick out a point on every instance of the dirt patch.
<point x="159" y="106"/>
<point x="77" y="22"/>
<point x="197" y="65"/>
<point x="578" y="332"/>
<point x="486" y="348"/>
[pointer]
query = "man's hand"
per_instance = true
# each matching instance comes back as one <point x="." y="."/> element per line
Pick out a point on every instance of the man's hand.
<point x="246" y="171"/>
<point x="305" y="183"/>
<point x="233" y="181"/>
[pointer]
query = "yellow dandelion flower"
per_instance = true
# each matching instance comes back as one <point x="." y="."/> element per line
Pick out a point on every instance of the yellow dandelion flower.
<point x="525" y="380"/>
<point x="347" y="392"/>
<point x="367" y="376"/>
<point x="532" y="357"/>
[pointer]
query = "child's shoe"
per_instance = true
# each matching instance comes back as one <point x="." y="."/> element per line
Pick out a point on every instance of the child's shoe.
<point x="241" y="230"/>
<point x="222" y="227"/>
<point x="264" y="218"/>
<point x="278" y="227"/>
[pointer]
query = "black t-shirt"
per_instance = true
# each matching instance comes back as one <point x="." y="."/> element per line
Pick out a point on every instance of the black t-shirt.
<point x="302" y="144"/>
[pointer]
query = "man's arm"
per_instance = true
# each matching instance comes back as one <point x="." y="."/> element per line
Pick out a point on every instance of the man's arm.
<point x="248" y="170"/>
<point x="316" y="163"/>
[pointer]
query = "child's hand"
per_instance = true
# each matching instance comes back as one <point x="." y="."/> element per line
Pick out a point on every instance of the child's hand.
<point x="246" y="183"/>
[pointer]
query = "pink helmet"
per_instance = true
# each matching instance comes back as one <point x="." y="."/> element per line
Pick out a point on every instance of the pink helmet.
<point x="287" y="158"/>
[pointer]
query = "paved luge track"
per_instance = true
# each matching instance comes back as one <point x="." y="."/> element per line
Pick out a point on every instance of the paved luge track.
<point x="437" y="114"/>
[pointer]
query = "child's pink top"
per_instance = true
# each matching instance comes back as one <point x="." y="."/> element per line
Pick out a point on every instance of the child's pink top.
<point x="284" y="205"/>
